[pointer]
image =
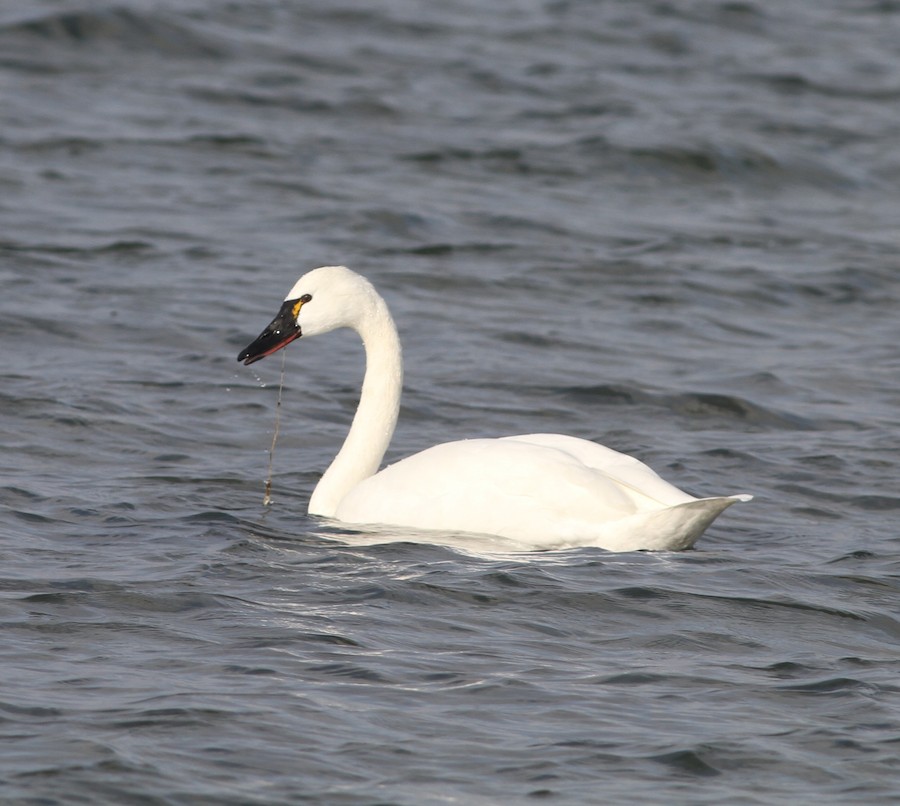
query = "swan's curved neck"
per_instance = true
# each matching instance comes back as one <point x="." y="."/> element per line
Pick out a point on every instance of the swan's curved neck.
<point x="376" y="416"/>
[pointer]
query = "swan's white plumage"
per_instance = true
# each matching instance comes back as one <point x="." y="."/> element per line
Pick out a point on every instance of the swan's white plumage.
<point x="583" y="494"/>
<point x="539" y="490"/>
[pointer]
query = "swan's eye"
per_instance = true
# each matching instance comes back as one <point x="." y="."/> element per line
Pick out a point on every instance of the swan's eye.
<point x="306" y="298"/>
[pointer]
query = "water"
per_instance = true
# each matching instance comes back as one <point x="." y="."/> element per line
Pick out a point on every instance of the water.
<point x="669" y="227"/>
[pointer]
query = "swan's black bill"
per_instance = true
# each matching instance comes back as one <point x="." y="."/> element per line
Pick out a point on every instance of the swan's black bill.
<point x="282" y="330"/>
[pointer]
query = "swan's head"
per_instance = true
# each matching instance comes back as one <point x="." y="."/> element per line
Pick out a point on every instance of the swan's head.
<point x="321" y="300"/>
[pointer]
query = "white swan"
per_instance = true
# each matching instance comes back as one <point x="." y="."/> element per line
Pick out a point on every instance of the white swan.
<point x="541" y="490"/>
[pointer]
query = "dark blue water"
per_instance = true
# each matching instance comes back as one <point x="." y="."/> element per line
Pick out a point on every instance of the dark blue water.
<point x="667" y="227"/>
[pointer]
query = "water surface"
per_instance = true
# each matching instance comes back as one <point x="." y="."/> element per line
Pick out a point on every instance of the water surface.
<point x="669" y="227"/>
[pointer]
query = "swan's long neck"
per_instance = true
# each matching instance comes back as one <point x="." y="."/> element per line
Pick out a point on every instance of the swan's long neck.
<point x="376" y="416"/>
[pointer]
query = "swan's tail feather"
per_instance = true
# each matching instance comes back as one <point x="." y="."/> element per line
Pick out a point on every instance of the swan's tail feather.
<point x="671" y="529"/>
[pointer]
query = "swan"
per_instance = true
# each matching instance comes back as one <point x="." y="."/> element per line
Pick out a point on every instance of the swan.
<point x="540" y="490"/>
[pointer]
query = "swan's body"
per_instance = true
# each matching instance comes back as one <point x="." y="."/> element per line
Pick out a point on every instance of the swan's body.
<point x="543" y="490"/>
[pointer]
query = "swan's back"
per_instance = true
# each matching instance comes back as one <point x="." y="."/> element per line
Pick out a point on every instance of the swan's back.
<point x="538" y="489"/>
<point x="639" y="482"/>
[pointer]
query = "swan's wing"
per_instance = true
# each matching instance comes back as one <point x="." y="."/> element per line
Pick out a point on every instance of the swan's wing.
<point x="486" y="485"/>
<point x="636" y="478"/>
<point x="505" y="485"/>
